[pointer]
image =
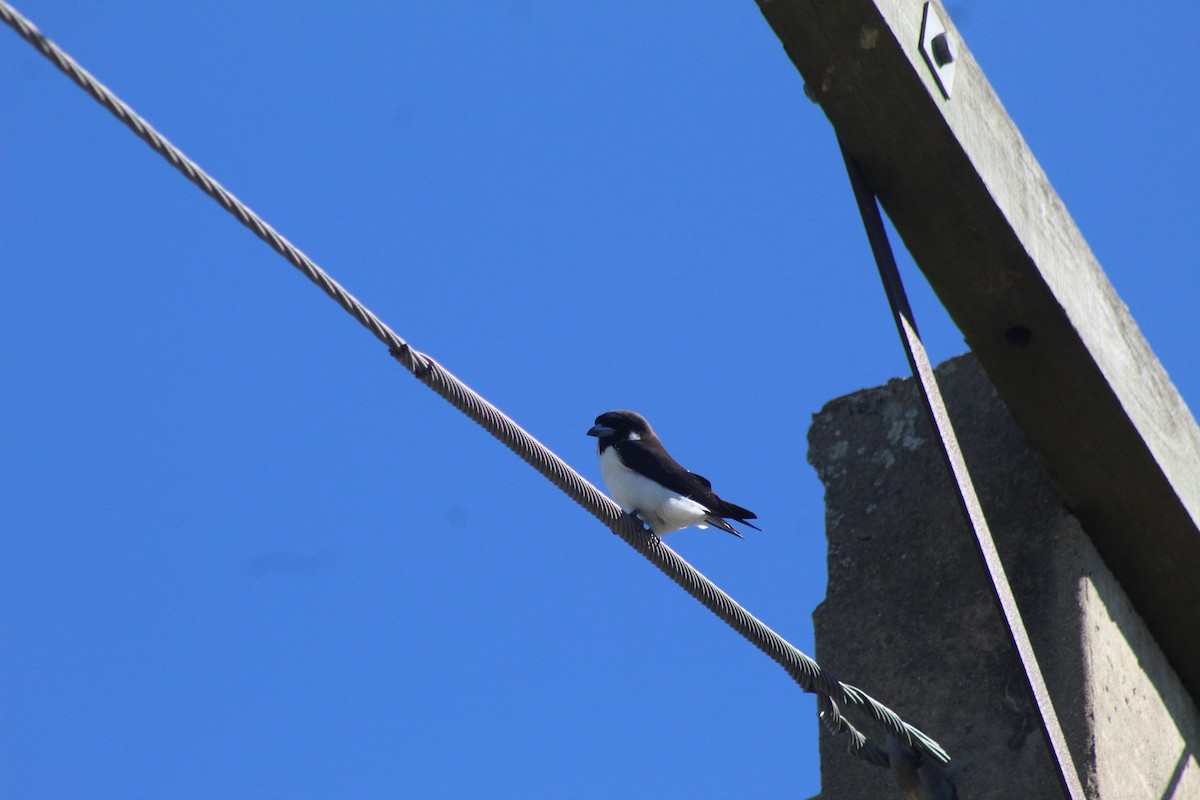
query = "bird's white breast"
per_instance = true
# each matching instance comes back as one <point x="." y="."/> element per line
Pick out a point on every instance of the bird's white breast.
<point x="663" y="510"/>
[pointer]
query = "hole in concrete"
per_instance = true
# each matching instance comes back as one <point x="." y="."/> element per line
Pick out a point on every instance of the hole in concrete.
<point x="1018" y="335"/>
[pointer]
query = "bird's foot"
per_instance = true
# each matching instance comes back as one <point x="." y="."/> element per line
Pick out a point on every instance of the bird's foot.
<point x="640" y="520"/>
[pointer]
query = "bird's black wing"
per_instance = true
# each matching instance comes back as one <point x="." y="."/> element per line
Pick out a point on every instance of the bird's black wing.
<point x="656" y="464"/>
<point x="651" y="460"/>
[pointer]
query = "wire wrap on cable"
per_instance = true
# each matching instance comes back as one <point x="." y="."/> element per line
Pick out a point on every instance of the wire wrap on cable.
<point x="806" y="672"/>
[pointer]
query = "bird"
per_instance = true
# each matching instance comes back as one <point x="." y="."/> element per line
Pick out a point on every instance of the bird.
<point x="647" y="483"/>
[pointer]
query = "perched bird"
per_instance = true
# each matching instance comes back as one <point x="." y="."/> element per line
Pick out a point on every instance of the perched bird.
<point x="646" y="482"/>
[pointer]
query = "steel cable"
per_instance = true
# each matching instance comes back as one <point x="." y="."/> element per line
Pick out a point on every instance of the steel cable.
<point x="939" y="418"/>
<point x="806" y="672"/>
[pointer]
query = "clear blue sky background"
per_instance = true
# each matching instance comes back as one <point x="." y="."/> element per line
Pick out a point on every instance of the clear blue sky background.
<point x="245" y="555"/>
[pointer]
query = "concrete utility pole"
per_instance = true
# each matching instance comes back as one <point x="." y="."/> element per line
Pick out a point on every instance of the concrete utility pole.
<point x="905" y="577"/>
<point x="996" y="243"/>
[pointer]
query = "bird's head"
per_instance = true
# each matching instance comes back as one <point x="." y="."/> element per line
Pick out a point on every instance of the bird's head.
<point x="618" y="426"/>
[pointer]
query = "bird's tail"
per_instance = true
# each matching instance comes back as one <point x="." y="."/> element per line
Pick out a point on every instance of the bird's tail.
<point x="717" y="522"/>
<point x="730" y="511"/>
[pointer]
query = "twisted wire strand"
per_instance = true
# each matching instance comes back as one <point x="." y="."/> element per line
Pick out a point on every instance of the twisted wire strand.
<point x="806" y="672"/>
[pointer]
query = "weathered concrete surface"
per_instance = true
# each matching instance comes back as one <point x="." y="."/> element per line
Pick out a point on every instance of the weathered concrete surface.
<point x="909" y="616"/>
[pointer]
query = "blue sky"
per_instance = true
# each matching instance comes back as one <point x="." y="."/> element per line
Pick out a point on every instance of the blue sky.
<point x="243" y="554"/>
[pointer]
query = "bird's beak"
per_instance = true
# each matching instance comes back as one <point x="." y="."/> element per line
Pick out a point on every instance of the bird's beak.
<point x="601" y="430"/>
